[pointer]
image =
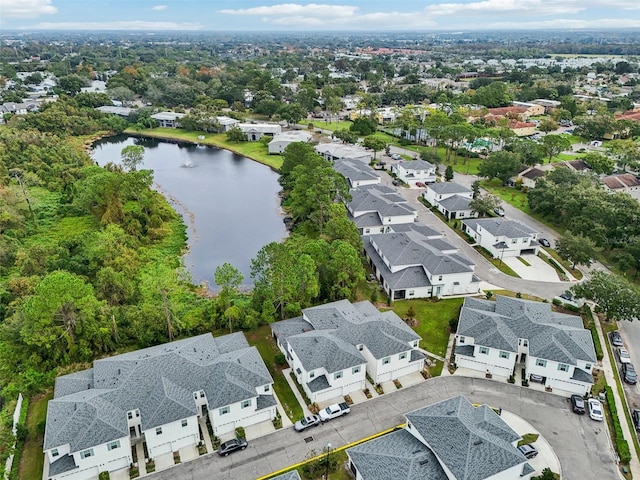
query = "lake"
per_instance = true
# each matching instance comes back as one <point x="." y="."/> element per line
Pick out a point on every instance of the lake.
<point x="229" y="203"/>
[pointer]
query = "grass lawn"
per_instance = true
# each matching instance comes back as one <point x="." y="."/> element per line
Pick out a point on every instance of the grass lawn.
<point x="433" y="320"/>
<point x="528" y="438"/>
<point x="32" y="460"/>
<point x="254" y="150"/>
<point x="261" y="338"/>
<point x="333" y="126"/>
<point x="512" y="196"/>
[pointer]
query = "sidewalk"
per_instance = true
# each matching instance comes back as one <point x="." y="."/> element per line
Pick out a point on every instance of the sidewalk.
<point x="296" y="392"/>
<point x="607" y="368"/>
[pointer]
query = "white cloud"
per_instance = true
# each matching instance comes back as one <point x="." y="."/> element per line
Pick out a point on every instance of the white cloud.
<point x="297" y="10"/>
<point x="502" y="7"/>
<point x="26" y="8"/>
<point x="124" y="25"/>
<point x="159" y="8"/>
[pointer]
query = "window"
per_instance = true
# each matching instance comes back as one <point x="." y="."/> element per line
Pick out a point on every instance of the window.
<point x="367" y="230"/>
<point x="563" y="367"/>
<point x="312" y="374"/>
<point x="415" y="344"/>
<point x="54" y="452"/>
<point x="245" y="403"/>
<point x="525" y="343"/>
<point x="355" y="370"/>
<point x="411" y="292"/>
<point x="159" y="431"/>
<point x="195" y="395"/>
<point x="113" y="445"/>
<point x="587" y="366"/>
<point x="201" y="393"/>
<point x="266" y="388"/>
<point x="129" y="415"/>
<point x="504" y="354"/>
<point x="460" y="339"/>
<point x="541" y="363"/>
<point x="86" y="453"/>
<point x="360" y="347"/>
<point x="185" y="422"/>
<point x="386" y="361"/>
<point x="439" y="278"/>
<point x="403" y="355"/>
<point x="224" y="410"/>
<point x="515" y="240"/>
<point x="484" y="350"/>
<point x="337" y="375"/>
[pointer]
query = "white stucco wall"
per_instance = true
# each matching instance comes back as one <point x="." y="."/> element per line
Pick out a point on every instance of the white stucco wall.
<point x="173" y="436"/>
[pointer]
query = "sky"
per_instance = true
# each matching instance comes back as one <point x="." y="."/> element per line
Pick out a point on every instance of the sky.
<point x="325" y="15"/>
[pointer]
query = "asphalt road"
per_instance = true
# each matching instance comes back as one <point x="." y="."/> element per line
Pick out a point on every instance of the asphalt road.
<point x="582" y="445"/>
<point x="484" y="269"/>
<point x="631" y="337"/>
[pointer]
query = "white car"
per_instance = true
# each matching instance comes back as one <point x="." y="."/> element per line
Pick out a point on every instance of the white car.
<point x="623" y="355"/>
<point x="595" y="409"/>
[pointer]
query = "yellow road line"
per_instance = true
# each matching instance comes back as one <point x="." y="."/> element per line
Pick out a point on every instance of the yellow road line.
<point x="322" y="455"/>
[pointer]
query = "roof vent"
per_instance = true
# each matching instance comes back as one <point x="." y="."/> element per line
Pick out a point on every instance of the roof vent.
<point x="119" y="372"/>
<point x="424" y="462"/>
<point x="415" y="452"/>
<point x="478" y="442"/>
<point x="451" y="412"/>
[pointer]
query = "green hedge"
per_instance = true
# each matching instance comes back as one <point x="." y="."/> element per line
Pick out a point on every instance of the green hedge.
<point x="621" y="444"/>
<point x="594" y="332"/>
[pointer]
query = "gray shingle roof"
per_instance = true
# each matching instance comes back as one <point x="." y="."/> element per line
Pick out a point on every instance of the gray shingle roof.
<point x="318" y="384"/>
<point x="552" y="336"/>
<point x="321" y="349"/>
<point x="292" y="475"/>
<point x="375" y="199"/>
<point x="341" y="325"/>
<point x="501" y="227"/>
<point x="397" y="455"/>
<point x="473" y="443"/>
<point x="447" y="188"/>
<point x="92" y="406"/>
<point x="63" y="464"/>
<point x="412" y="249"/>
<point x="415" y="165"/>
<point x="355" y="171"/>
<point x="456" y="203"/>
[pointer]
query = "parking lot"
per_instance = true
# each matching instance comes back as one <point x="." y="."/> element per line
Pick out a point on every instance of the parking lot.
<point x="582" y="445"/>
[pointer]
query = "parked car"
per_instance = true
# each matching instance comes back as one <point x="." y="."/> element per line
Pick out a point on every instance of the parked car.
<point x="567" y="299"/>
<point x="595" y="409"/>
<point x="544" y="242"/>
<point x="396" y="182"/>
<point x="616" y="338"/>
<point x="623" y="355"/>
<point x="499" y="211"/>
<point x="231" y="446"/>
<point x="334" y="411"/>
<point x="577" y="404"/>
<point x="635" y="416"/>
<point x="419" y="184"/>
<point x="396" y="156"/>
<point x="529" y="451"/>
<point x="307" y="422"/>
<point x="629" y="374"/>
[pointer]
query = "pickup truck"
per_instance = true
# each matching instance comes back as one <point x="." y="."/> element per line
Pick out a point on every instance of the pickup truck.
<point x="334" y="411"/>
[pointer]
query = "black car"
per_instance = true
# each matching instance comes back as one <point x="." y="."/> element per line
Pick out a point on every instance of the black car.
<point x="231" y="446"/>
<point x="544" y="242"/>
<point x="635" y="415"/>
<point x="616" y="338"/>
<point x="629" y="374"/>
<point x="577" y="404"/>
<point x="529" y="451"/>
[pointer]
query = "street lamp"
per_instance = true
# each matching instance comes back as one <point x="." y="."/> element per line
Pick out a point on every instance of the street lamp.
<point x="326" y="476"/>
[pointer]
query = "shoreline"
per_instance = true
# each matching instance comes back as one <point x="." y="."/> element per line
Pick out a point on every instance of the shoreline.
<point x="208" y="141"/>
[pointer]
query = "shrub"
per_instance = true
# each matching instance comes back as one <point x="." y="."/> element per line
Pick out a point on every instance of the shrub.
<point x="556" y="302"/>
<point x="621" y="444"/>
<point x="453" y="325"/>
<point x="280" y="359"/>
<point x="404" y="142"/>
<point x="103" y="476"/>
<point x="240" y="432"/>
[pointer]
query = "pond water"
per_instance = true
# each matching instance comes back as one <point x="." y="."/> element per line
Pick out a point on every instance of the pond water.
<point x="229" y="203"/>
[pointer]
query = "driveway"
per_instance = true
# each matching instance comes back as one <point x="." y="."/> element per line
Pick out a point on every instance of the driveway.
<point x="582" y="446"/>
<point x="537" y="269"/>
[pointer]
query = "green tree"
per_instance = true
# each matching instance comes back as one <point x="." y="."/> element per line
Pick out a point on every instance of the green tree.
<point x="132" y="156"/>
<point x="292" y="113"/>
<point x="483" y="204"/>
<point x="374" y="143"/>
<point x="617" y="298"/>
<point x="577" y="249"/>
<point x="228" y="278"/>
<point x="547" y="125"/>
<point x="364" y="126"/>
<point x="552" y="145"/>
<point x="347" y="136"/>
<point x="62" y="321"/>
<point x="236" y="135"/>
<point x="502" y="165"/>
<point x="448" y="173"/>
<point x="599" y="163"/>
<point x="71" y="84"/>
